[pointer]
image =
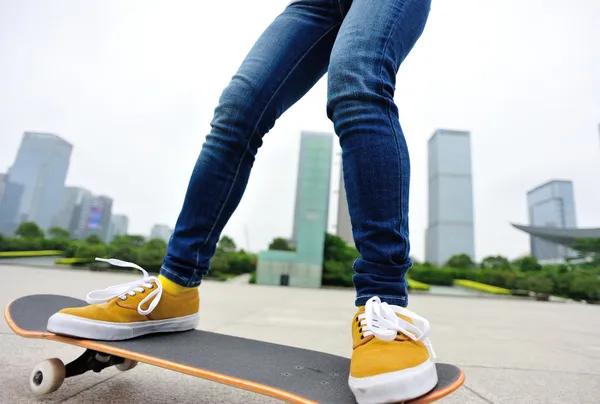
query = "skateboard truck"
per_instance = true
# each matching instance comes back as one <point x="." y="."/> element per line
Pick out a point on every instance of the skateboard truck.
<point x="47" y="376"/>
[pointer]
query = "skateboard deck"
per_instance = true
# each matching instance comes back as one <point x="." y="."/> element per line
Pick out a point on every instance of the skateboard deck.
<point x="290" y="374"/>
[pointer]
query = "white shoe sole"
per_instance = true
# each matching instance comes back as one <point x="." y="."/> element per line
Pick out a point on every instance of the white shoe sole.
<point x="395" y="386"/>
<point x="74" y="326"/>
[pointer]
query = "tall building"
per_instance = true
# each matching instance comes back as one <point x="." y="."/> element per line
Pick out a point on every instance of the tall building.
<point x="313" y="146"/>
<point x="119" y="224"/>
<point x="93" y="216"/>
<point x="68" y="215"/>
<point x="451" y="229"/>
<point x="344" y="225"/>
<point x="304" y="266"/>
<point x="3" y="178"/>
<point x="9" y="206"/>
<point x="40" y="169"/>
<point x="161" y="231"/>
<point x="551" y="205"/>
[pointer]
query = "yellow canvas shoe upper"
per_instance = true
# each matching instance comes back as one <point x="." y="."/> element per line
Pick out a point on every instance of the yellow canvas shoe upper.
<point x="124" y="310"/>
<point x="149" y="305"/>
<point x="392" y="360"/>
<point x="385" y="339"/>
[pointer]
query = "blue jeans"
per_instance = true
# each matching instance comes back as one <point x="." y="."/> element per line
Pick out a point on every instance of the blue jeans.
<point x="360" y="44"/>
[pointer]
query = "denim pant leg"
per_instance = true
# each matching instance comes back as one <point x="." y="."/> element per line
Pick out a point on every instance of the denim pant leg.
<point x="374" y="39"/>
<point x="286" y="61"/>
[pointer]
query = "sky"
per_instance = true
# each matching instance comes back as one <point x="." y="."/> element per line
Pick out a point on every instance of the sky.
<point x="133" y="85"/>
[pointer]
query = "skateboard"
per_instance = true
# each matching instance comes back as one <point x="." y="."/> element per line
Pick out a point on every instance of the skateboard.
<point x="289" y="374"/>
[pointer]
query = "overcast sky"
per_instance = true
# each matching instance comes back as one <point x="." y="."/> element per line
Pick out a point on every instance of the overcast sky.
<point x="133" y="85"/>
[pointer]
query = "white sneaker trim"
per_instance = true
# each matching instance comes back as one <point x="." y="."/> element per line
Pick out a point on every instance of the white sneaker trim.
<point x="395" y="386"/>
<point x="79" y="327"/>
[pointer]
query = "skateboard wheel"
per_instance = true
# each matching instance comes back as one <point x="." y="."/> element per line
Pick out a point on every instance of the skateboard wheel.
<point x="127" y="365"/>
<point x="47" y="376"/>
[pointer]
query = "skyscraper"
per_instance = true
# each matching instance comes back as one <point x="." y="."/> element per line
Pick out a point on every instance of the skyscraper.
<point x="450" y="229"/>
<point x="9" y="206"/>
<point x="93" y="217"/>
<point x="344" y="225"/>
<point x="551" y="204"/>
<point x="161" y="231"/>
<point x="67" y="216"/>
<point x="119" y="224"/>
<point x="315" y="148"/>
<point x="304" y="266"/>
<point x="2" y="185"/>
<point x="39" y="171"/>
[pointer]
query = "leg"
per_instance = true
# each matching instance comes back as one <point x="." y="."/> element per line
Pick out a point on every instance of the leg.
<point x="392" y="358"/>
<point x="374" y="40"/>
<point x="288" y="59"/>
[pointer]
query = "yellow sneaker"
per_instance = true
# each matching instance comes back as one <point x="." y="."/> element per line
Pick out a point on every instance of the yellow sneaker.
<point x="150" y="305"/>
<point x="392" y="360"/>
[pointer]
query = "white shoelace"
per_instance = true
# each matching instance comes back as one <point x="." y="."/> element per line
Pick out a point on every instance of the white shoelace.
<point x="380" y="320"/>
<point x="121" y="291"/>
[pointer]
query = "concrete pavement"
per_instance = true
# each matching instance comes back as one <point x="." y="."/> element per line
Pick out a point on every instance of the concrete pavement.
<point x="514" y="351"/>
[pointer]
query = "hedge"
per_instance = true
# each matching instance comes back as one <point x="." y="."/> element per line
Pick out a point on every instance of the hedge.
<point x="71" y="261"/>
<point x="482" y="287"/>
<point x="432" y="276"/>
<point x="416" y="285"/>
<point x="25" y="254"/>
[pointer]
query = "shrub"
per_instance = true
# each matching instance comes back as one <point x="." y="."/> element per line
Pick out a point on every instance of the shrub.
<point x="431" y="276"/>
<point x="72" y="261"/>
<point x="416" y="285"/>
<point x="25" y="254"/>
<point x="482" y="287"/>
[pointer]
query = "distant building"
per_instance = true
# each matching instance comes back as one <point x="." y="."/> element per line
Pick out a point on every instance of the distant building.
<point x="3" y="177"/>
<point x="93" y="216"/>
<point x="40" y="169"/>
<point x="162" y="232"/>
<point x="313" y="146"/>
<point x="119" y="224"/>
<point x="343" y="225"/>
<point x="70" y="210"/>
<point x="564" y="237"/>
<point x="303" y="267"/>
<point x="9" y="207"/>
<point x="551" y="205"/>
<point x="451" y="227"/>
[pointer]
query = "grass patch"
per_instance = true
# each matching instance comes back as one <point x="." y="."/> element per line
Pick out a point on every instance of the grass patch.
<point x="27" y="254"/>
<point x="416" y="285"/>
<point x="481" y="287"/>
<point x="72" y="261"/>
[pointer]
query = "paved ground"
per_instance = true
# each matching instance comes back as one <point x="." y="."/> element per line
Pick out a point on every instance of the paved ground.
<point x="512" y="351"/>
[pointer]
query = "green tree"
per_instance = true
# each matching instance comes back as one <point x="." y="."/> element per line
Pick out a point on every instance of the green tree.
<point x="338" y="258"/>
<point x="528" y="264"/>
<point x="226" y="244"/>
<point x="280" y="244"/>
<point x="586" y="286"/>
<point x="541" y="284"/>
<point x="460" y="261"/>
<point x="495" y="262"/>
<point x="218" y="263"/>
<point x="588" y="248"/>
<point x="152" y="254"/>
<point x="59" y="233"/>
<point x="129" y="239"/>
<point x="241" y="263"/>
<point x="29" y="230"/>
<point x="93" y="239"/>
<point x="91" y="251"/>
